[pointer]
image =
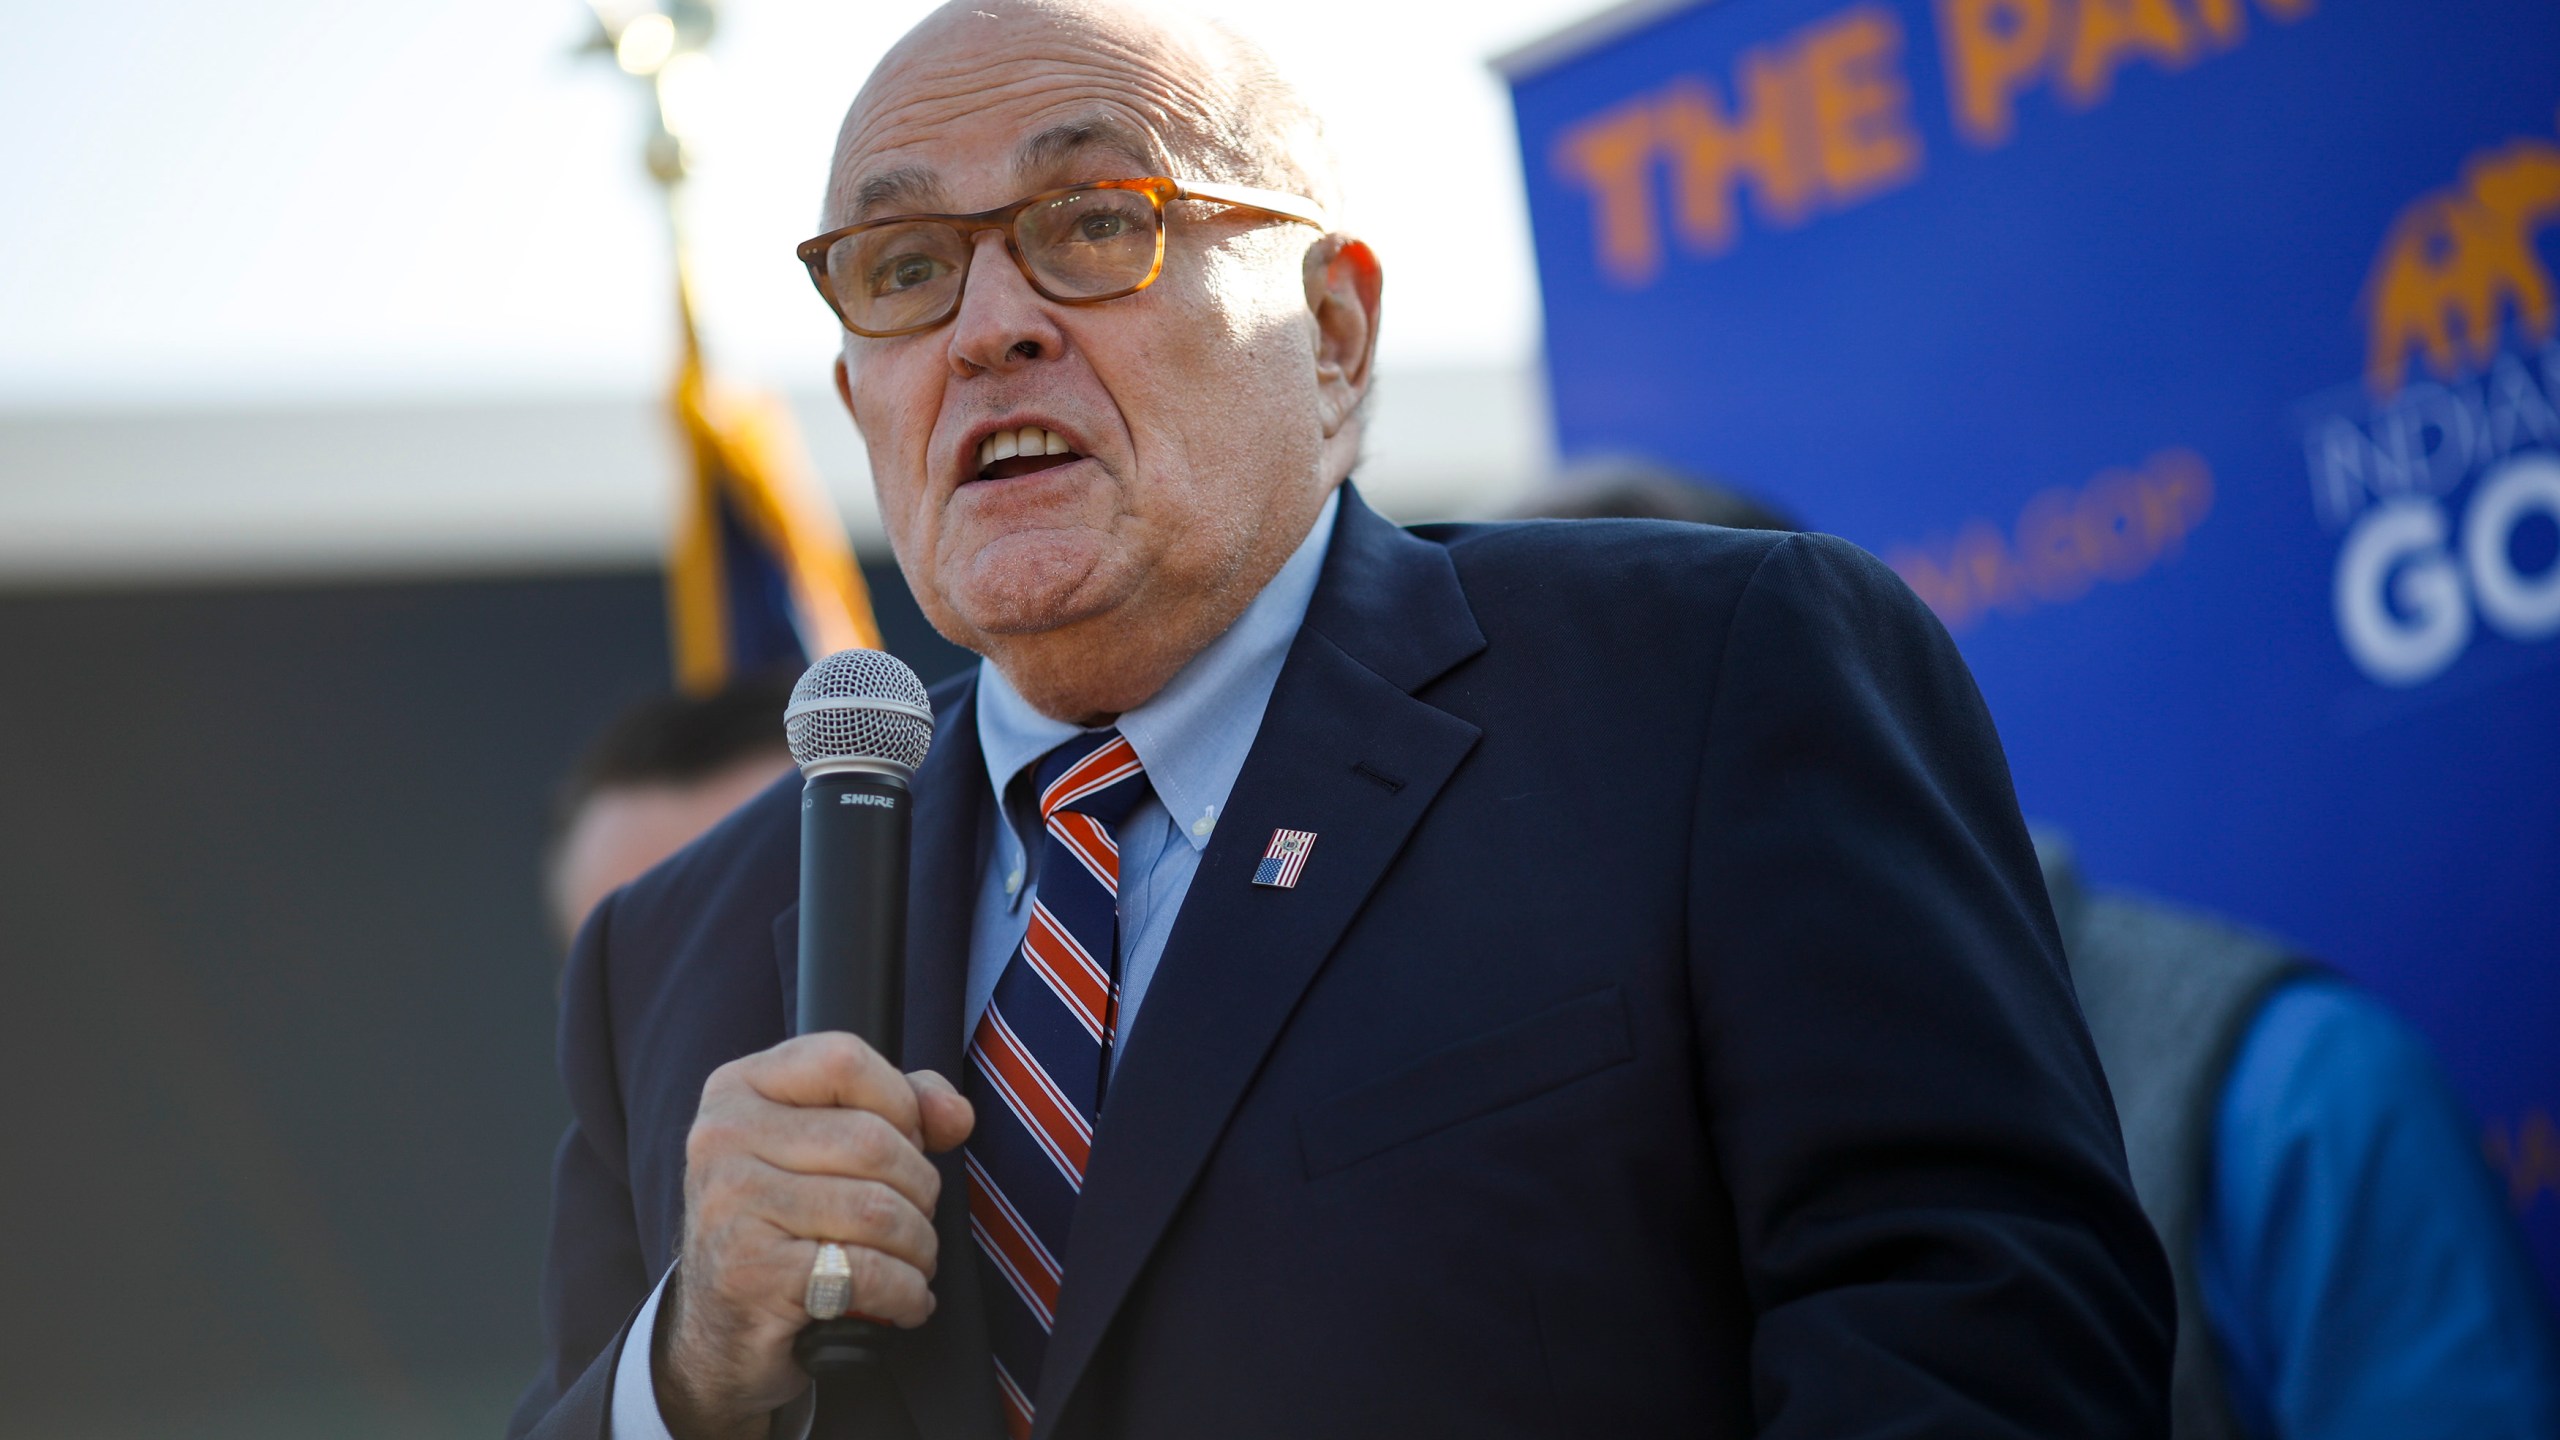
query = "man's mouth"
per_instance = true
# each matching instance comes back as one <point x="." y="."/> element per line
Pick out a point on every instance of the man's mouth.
<point x="1008" y="453"/>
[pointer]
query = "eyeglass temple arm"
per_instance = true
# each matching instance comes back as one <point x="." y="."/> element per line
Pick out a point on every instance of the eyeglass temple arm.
<point x="1270" y="202"/>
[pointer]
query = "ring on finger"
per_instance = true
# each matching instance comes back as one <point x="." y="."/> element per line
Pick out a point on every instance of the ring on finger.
<point x="829" y="1292"/>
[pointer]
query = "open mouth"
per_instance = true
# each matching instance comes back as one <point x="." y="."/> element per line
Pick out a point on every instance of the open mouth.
<point x="1008" y="453"/>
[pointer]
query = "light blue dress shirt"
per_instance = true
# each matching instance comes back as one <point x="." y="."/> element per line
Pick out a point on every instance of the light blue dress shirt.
<point x="1192" y="737"/>
<point x="2356" y="1259"/>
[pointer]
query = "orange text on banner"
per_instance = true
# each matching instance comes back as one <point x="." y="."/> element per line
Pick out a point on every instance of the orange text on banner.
<point x="1817" y="120"/>
<point x="2118" y="527"/>
<point x="1997" y="50"/>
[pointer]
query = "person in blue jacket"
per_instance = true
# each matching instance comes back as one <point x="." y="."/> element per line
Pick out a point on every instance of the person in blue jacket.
<point x="2346" y="1265"/>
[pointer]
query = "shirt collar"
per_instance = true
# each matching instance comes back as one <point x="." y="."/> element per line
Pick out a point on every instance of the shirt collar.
<point x="1194" y="734"/>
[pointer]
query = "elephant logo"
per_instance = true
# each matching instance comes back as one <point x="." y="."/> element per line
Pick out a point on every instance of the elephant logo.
<point x="2457" y="261"/>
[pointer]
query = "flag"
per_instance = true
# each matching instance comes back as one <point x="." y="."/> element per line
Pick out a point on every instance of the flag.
<point x="760" y="574"/>
<point x="1286" y="857"/>
<point x="759" y="571"/>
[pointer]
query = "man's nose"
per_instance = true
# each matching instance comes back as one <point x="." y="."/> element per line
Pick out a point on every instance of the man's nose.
<point x="1002" y="322"/>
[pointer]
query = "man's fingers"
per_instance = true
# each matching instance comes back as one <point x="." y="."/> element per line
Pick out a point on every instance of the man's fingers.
<point x="816" y="1139"/>
<point x="831" y="1069"/>
<point x="884" y="1287"/>
<point x="946" y="1114"/>
<point x="851" y="1144"/>
<point x="861" y="1213"/>
<point x="753" y="1269"/>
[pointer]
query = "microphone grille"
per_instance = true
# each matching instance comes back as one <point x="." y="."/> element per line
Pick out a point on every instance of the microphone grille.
<point x="859" y="705"/>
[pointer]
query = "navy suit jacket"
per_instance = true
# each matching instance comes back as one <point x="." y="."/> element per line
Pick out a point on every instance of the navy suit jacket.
<point x="1668" y="1035"/>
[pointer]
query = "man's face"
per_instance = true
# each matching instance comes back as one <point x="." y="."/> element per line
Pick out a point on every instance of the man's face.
<point x="1192" y="416"/>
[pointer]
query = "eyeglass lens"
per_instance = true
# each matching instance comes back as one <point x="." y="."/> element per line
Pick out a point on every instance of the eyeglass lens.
<point x="1083" y="244"/>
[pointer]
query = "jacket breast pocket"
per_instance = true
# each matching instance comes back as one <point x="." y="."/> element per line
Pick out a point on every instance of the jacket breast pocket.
<point x="1472" y="1078"/>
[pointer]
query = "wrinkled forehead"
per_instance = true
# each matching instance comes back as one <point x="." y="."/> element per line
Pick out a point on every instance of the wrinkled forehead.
<point x="954" y="173"/>
<point x="979" y="112"/>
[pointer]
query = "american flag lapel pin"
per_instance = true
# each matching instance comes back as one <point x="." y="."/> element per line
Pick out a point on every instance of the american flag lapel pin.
<point x="1286" y="857"/>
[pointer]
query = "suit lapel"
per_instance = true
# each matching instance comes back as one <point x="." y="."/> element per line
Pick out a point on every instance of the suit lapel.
<point x="942" y="881"/>
<point x="1345" y="751"/>
<point x="941" y="1369"/>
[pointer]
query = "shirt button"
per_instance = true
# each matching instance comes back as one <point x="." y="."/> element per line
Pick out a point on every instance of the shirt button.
<point x="1207" y="822"/>
<point x="1013" y="882"/>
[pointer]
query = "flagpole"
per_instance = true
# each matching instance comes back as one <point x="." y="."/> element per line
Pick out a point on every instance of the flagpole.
<point x="749" y="472"/>
<point x="669" y="50"/>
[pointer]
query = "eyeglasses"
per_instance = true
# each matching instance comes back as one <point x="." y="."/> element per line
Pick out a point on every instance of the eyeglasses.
<point x="1077" y="246"/>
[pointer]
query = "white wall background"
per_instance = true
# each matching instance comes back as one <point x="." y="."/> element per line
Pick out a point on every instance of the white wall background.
<point x="295" y="200"/>
<point x="311" y="287"/>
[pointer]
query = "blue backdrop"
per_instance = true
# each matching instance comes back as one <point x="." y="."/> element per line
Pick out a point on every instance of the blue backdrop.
<point x="2195" y="360"/>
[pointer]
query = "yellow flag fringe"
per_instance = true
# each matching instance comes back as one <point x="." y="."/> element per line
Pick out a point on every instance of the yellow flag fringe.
<point x="744" y="446"/>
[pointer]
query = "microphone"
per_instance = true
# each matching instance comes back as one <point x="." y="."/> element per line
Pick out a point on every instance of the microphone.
<point x="859" y="724"/>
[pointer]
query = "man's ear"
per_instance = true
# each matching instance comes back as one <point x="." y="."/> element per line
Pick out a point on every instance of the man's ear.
<point x="844" y="387"/>
<point x="1343" y="285"/>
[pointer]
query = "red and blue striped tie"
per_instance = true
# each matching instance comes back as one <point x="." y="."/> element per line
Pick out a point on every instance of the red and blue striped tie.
<point x="1041" y="1053"/>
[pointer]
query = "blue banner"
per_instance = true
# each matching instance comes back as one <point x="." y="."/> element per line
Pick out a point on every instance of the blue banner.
<point x="2195" y="360"/>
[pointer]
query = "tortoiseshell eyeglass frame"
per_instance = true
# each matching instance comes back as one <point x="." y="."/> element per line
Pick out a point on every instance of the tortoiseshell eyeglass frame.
<point x="1158" y="189"/>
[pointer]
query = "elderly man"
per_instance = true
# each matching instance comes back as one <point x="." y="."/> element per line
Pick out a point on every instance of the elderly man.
<point x="1536" y="979"/>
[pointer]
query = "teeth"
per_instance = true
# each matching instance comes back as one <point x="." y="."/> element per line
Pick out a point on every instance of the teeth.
<point x="1029" y="440"/>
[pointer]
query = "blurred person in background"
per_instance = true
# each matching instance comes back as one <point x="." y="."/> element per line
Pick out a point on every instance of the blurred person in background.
<point x="664" y="771"/>
<point x="2346" y="1265"/>
<point x="1629" y="487"/>
<point x="2346" y="1262"/>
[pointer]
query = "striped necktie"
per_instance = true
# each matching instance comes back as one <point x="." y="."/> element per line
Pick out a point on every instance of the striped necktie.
<point x="1041" y="1053"/>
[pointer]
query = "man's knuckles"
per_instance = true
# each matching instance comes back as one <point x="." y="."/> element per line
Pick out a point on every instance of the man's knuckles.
<point x="870" y="1213"/>
<point x="853" y="1212"/>
<point x="888" y="1288"/>
<point x="869" y="1144"/>
<point x="833" y="1054"/>
<point x="881" y="1219"/>
<point x="718" y="1134"/>
<point x="834" y="1068"/>
<point x="862" y="1143"/>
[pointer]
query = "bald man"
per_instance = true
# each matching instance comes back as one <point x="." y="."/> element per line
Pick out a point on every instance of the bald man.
<point x="1548" y="979"/>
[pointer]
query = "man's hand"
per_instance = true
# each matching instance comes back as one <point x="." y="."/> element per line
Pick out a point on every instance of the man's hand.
<point x="816" y="1139"/>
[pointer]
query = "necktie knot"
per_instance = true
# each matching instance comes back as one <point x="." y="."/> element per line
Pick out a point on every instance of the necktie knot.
<point x="1096" y="774"/>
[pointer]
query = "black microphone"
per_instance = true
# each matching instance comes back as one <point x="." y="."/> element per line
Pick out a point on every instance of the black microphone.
<point x="859" y="723"/>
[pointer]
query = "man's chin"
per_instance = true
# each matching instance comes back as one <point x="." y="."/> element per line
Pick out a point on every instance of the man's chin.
<point x="1020" y="613"/>
<point x="1031" y="584"/>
